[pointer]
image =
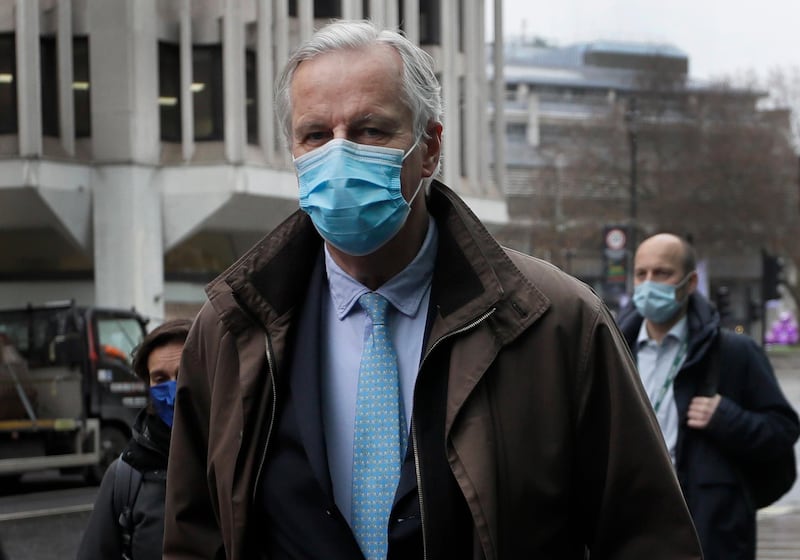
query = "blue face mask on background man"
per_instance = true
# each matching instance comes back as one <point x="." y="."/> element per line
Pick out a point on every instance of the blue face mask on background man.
<point x="353" y="193"/>
<point x="163" y="399"/>
<point x="657" y="301"/>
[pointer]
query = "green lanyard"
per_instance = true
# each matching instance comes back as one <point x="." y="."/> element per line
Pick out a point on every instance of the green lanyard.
<point x="673" y="371"/>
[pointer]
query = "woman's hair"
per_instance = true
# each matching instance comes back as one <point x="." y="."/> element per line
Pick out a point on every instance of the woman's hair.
<point x="421" y="91"/>
<point x="175" y="330"/>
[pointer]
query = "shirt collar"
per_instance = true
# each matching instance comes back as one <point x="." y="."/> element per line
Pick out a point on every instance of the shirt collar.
<point x="404" y="291"/>
<point x="679" y="331"/>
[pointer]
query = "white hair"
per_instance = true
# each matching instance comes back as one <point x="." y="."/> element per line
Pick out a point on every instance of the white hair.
<point x="421" y="91"/>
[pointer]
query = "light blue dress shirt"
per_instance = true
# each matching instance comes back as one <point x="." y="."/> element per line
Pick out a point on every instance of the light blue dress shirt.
<point x="655" y="362"/>
<point x="344" y="327"/>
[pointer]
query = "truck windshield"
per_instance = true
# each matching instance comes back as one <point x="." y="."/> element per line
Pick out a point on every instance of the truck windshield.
<point x="118" y="336"/>
<point x="35" y="333"/>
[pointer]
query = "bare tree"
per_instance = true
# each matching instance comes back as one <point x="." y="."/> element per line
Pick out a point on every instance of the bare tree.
<point x="783" y="85"/>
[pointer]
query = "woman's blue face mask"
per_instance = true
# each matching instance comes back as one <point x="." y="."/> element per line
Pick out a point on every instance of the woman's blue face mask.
<point x="163" y="399"/>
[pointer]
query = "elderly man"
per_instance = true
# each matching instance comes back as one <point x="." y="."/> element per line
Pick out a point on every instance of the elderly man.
<point x="712" y="427"/>
<point x="378" y="378"/>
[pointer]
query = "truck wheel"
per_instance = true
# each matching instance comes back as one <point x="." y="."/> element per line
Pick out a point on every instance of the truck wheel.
<point x="112" y="441"/>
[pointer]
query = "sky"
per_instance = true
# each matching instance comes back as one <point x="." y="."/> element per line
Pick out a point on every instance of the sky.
<point x="723" y="38"/>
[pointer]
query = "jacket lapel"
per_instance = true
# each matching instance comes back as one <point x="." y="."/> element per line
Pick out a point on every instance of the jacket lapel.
<point x="305" y="384"/>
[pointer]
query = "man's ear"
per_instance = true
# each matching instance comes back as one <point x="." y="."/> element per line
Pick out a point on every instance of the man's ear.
<point x="691" y="283"/>
<point x="431" y="149"/>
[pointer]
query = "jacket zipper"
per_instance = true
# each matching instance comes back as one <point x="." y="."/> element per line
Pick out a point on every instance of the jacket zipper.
<point x="271" y="367"/>
<point x="417" y="466"/>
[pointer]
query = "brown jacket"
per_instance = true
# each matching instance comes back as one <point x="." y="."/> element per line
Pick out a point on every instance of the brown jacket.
<point x="548" y="432"/>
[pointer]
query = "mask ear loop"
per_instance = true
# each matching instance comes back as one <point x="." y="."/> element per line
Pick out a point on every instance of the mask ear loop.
<point x="413" y="196"/>
<point x="408" y="153"/>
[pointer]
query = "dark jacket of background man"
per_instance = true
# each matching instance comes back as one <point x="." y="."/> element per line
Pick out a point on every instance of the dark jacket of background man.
<point x="753" y="420"/>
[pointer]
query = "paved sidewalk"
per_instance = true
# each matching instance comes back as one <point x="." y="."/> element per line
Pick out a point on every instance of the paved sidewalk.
<point x="779" y="533"/>
<point x="779" y="524"/>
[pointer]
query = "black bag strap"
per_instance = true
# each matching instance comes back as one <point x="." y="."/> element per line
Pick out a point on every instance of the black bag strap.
<point x="710" y="383"/>
<point x="127" y="482"/>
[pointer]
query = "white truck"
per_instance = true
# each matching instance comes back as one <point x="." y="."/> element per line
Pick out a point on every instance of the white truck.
<point x="68" y="394"/>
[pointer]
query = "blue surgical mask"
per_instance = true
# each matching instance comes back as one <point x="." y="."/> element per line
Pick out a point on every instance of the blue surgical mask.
<point x="656" y="301"/>
<point x="353" y="194"/>
<point x="163" y="399"/>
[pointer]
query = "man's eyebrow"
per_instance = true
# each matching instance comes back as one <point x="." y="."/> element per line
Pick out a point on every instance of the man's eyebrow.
<point x="307" y="126"/>
<point x="372" y="118"/>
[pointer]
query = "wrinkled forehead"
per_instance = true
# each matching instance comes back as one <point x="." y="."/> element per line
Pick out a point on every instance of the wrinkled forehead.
<point x="660" y="253"/>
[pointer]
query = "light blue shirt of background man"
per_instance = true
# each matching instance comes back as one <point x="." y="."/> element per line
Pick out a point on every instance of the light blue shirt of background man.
<point x="658" y="366"/>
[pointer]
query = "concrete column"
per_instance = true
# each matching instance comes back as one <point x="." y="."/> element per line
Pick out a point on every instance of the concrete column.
<point x="281" y="15"/>
<point x="391" y="14"/>
<point x="127" y="213"/>
<point x="265" y="73"/>
<point x="187" y="95"/>
<point x="377" y="12"/>
<point x="233" y="65"/>
<point x="499" y="99"/>
<point x="305" y="18"/>
<point x="473" y="85"/>
<point x="411" y="20"/>
<point x="29" y="84"/>
<point x="66" y="97"/>
<point x="281" y="26"/>
<point x="482" y="96"/>
<point x="451" y="139"/>
<point x="532" y="134"/>
<point x="128" y="241"/>
<point x="352" y="9"/>
<point x="123" y="58"/>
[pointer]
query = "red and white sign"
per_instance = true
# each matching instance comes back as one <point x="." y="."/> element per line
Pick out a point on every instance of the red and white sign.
<point x="615" y="239"/>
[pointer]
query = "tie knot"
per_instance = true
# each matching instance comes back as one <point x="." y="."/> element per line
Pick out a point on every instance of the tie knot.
<point x="375" y="305"/>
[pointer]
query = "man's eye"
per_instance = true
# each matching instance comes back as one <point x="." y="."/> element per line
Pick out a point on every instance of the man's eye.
<point x="372" y="133"/>
<point x="316" y="136"/>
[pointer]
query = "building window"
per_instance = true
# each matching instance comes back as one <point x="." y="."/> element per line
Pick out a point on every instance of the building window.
<point x="169" y="88"/>
<point x="430" y="20"/>
<point x="208" y="93"/>
<point x="48" y="52"/>
<point x="48" y="67"/>
<point x="251" y="97"/>
<point x="322" y="8"/>
<point x="8" y="86"/>
<point x="81" y="93"/>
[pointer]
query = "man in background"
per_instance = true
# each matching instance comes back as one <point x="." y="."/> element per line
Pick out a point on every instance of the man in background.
<point x="715" y="395"/>
<point x="127" y="520"/>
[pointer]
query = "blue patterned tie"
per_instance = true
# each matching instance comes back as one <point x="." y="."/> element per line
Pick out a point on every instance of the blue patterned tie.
<point x="380" y="434"/>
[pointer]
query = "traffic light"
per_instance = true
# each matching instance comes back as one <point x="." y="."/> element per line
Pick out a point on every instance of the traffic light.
<point x="771" y="276"/>
<point x="723" y="301"/>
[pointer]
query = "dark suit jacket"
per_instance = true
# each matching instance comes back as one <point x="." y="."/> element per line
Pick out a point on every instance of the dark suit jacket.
<point x="753" y="419"/>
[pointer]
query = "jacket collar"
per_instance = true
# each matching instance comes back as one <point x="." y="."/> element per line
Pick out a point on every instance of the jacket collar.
<point x="473" y="274"/>
<point x="703" y="321"/>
